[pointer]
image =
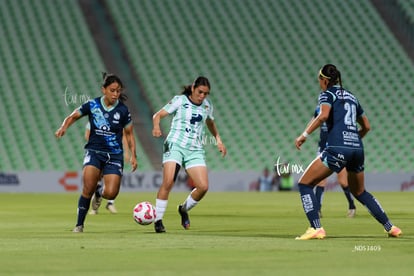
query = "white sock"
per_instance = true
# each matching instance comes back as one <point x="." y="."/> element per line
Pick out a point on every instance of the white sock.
<point x="160" y="207"/>
<point x="189" y="203"/>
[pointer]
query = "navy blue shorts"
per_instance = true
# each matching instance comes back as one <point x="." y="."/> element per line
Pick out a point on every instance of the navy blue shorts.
<point x="108" y="163"/>
<point x="336" y="158"/>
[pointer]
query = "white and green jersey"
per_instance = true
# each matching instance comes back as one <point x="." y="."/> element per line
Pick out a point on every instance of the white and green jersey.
<point x="187" y="126"/>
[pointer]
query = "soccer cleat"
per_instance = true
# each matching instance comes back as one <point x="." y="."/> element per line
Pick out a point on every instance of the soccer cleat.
<point x="394" y="232"/>
<point x="351" y="213"/>
<point x="78" y="229"/>
<point x="159" y="227"/>
<point x="185" y="220"/>
<point x="96" y="202"/>
<point x="312" y="233"/>
<point x="111" y="208"/>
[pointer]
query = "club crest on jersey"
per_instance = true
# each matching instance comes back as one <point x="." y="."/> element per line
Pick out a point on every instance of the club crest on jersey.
<point x="117" y="116"/>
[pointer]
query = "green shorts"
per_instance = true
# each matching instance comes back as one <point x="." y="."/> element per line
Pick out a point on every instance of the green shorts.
<point x="183" y="157"/>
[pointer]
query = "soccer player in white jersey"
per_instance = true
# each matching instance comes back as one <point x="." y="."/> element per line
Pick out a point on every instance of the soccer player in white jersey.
<point x="184" y="146"/>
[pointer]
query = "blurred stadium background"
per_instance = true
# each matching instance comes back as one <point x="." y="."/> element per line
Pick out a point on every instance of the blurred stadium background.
<point x="261" y="56"/>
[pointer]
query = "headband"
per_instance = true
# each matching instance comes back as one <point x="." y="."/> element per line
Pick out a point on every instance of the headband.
<point x="323" y="76"/>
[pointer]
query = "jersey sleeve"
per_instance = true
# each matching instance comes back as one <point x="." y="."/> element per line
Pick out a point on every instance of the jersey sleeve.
<point x="85" y="108"/>
<point x="326" y="98"/>
<point x="173" y="105"/>
<point x="128" y="119"/>
<point x="359" y="111"/>
<point x="210" y="111"/>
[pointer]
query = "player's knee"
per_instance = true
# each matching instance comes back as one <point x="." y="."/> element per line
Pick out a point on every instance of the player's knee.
<point x="202" y="188"/>
<point x="110" y="193"/>
<point x="88" y="190"/>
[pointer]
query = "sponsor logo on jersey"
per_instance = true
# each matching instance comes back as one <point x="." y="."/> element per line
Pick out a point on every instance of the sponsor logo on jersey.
<point x="195" y="118"/>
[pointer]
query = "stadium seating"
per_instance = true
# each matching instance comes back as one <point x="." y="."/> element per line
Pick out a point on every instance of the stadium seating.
<point x="50" y="66"/>
<point x="408" y="8"/>
<point x="260" y="56"/>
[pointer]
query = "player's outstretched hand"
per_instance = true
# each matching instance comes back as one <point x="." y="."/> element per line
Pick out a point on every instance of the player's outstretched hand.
<point x="134" y="163"/>
<point x="156" y="132"/>
<point x="299" y="141"/>
<point x="59" y="133"/>
<point x="222" y="149"/>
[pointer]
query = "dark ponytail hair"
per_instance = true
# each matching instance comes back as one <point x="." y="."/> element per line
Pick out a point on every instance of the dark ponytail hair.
<point x="109" y="79"/>
<point x="332" y="74"/>
<point x="197" y="82"/>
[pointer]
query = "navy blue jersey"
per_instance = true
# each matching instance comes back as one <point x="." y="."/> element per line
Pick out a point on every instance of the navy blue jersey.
<point x="323" y="133"/>
<point x="342" y="120"/>
<point x="106" y="125"/>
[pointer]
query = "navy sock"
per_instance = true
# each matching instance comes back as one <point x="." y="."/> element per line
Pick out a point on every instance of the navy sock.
<point x="349" y="197"/>
<point x="375" y="209"/>
<point x="83" y="207"/>
<point x="309" y="204"/>
<point x="319" y="196"/>
<point x="99" y="190"/>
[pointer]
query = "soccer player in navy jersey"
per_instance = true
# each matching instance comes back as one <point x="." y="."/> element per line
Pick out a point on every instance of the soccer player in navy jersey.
<point x="184" y="146"/>
<point x="109" y="120"/>
<point x="110" y="205"/>
<point x="342" y="176"/>
<point x="341" y="111"/>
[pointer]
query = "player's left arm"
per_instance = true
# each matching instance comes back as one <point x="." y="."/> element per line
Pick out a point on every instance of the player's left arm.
<point x="130" y="139"/>
<point x="211" y="125"/>
<point x="365" y="125"/>
<point x="127" y="153"/>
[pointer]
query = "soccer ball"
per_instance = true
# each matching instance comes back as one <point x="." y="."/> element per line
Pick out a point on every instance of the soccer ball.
<point x="144" y="213"/>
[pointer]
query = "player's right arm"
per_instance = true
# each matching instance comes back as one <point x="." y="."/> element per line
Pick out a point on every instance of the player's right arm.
<point x="314" y="124"/>
<point x="156" y="130"/>
<point x="67" y="122"/>
<point x="168" y="109"/>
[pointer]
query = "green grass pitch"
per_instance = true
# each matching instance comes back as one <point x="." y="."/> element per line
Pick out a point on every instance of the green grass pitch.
<point x="245" y="233"/>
